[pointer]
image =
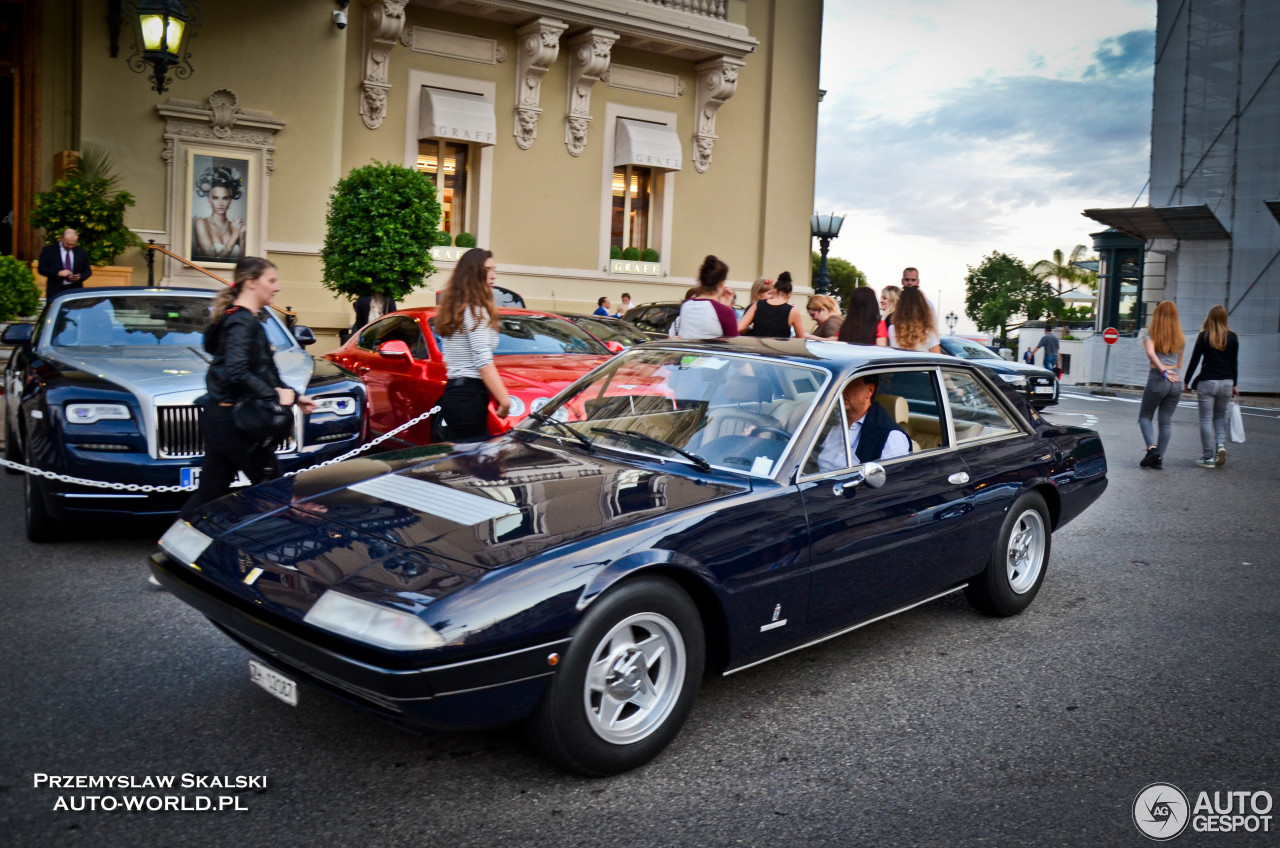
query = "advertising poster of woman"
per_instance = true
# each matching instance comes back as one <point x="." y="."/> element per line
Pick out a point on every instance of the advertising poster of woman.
<point x="219" y="206"/>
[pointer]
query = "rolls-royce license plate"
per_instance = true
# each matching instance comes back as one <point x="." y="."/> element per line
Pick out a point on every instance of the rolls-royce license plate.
<point x="274" y="682"/>
<point x="190" y="476"/>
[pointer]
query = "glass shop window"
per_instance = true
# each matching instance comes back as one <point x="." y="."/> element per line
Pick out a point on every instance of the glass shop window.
<point x="632" y="205"/>
<point x="448" y="165"/>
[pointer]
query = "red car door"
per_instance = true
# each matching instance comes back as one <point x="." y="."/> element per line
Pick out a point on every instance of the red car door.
<point x="413" y="384"/>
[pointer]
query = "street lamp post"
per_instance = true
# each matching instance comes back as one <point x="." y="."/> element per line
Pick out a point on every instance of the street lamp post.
<point x="952" y="319"/>
<point x="824" y="228"/>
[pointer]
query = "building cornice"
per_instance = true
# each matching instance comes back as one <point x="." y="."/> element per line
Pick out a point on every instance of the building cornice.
<point x="640" y="25"/>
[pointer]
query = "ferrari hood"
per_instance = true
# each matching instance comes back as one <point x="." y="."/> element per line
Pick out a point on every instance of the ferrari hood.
<point x="549" y="373"/>
<point x="426" y="528"/>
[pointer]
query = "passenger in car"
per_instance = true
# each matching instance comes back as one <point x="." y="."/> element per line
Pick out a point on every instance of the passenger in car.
<point x="873" y="434"/>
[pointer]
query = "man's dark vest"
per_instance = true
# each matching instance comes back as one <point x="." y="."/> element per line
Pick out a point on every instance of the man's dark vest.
<point x="876" y="427"/>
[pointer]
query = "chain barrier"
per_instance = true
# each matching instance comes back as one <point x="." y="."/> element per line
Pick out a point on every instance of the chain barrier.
<point x="139" y="487"/>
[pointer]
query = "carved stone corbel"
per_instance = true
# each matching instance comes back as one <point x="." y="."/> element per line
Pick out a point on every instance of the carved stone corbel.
<point x="717" y="81"/>
<point x="539" y="45"/>
<point x="588" y="62"/>
<point x="383" y="25"/>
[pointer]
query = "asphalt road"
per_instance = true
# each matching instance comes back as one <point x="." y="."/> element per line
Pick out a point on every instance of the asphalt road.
<point x="1150" y="655"/>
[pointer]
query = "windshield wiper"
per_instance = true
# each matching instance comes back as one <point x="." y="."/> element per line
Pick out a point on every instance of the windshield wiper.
<point x="547" y="419"/>
<point x="654" y="440"/>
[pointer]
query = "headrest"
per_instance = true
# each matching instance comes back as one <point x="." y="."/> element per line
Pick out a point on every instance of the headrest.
<point x="896" y="406"/>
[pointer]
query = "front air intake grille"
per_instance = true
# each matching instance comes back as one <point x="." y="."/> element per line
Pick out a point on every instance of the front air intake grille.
<point x="178" y="433"/>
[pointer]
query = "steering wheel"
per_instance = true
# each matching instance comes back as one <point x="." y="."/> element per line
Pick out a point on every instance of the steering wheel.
<point x="775" y="432"/>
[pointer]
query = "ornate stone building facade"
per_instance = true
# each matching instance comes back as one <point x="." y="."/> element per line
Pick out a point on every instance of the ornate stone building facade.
<point x="556" y="130"/>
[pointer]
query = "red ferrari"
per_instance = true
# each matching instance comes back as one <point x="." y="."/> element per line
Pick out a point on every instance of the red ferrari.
<point x="398" y="359"/>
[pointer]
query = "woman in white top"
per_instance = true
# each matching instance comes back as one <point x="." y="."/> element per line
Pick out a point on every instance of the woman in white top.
<point x="913" y="327"/>
<point x="467" y="320"/>
<point x="703" y="316"/>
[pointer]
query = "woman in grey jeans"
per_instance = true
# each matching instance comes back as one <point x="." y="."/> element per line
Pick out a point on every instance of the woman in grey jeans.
<point x="1164" y="345"/>
<point x="1215" y="385"/>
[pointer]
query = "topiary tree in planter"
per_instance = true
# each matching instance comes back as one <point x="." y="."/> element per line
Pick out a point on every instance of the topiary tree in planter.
<point x="19" y="296"/>
<point x="631" y="254"/>
<point x="649" y="255"/>
<point x="443" y="239"/>
<point x="615" y="252"/>
<point x="381" y="225"/>
<point x="88" y="200"/>
<point x="465" y="240"/>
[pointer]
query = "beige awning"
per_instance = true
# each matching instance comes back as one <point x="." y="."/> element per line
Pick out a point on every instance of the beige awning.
<point x="458" y="116"/>
<point x="648" y="144"/>
<point x="1189" y="223"/>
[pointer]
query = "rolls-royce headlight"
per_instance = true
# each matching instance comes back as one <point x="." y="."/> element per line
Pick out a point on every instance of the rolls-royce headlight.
<point x="184" y="543"/>
<point x="92" y="413"/>
<point x="1016" y="379"/>
<point x="517" y="407"/>
<point x="373" y="623"/>
<point x="342" y="405"/>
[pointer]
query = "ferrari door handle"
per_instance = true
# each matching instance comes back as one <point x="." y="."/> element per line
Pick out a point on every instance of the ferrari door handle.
<point x="959" y="478"/>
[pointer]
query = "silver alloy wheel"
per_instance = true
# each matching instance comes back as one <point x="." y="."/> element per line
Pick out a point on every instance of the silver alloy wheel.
<point x="1025" y="557"/>
<point x="635" y="677"/>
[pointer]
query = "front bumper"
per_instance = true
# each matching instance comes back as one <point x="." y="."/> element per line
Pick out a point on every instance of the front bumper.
<point x="69" y="501"/>
<point x="473" y="693"/>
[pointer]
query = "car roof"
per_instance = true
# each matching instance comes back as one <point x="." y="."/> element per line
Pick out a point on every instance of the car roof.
<point x="430" y="312"/>
<point x="833" y="355"/>
<point x="101" y="290"/>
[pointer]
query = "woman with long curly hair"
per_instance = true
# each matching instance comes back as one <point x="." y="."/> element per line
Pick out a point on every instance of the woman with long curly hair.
<point x="1164" y="345"/>
<point x="1216" y="384"/>
<point x="913" y="325"/>
<point x="467" y="320"/>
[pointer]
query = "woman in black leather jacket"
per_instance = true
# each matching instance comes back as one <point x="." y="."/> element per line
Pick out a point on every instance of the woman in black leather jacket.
<point x="242" y="367"/>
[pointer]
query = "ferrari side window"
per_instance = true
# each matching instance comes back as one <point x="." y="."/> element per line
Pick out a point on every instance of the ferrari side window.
<point x="831" y="450"/>
<point x="975" y="411"/>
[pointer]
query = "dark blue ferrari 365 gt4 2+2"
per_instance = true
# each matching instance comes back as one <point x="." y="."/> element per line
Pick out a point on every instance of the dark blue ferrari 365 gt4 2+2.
<point x="685" y="508"/>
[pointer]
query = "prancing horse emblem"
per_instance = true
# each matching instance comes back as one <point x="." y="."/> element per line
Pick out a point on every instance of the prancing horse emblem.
<point x="774" y="622"/>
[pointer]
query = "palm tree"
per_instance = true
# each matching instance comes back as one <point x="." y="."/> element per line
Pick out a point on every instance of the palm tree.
<point x="1062" y="269"/>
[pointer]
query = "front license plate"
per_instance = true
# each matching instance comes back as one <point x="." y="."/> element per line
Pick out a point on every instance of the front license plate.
<point x="191" y="477"/>
<point x="274" y="682"/>
<point x="1044" y="390"/>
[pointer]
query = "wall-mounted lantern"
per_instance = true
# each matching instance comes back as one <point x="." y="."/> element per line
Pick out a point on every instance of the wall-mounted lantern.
<point x="164" y="30"/>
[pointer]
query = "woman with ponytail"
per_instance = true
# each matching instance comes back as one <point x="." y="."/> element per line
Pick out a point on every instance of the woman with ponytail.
<point x="703" y="316"/>
<point x="242" y="367"/>
<point x="773" y="317"/>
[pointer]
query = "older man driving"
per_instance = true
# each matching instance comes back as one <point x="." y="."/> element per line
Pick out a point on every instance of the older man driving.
<point x="873" y="435"/>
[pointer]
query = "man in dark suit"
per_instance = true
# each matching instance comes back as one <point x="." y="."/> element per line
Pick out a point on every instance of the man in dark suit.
<point x="63" y="265"/>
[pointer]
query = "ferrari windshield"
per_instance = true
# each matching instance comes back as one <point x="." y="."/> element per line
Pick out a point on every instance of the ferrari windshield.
<point x="131" y="320"/>
<point x="729" y="411"/>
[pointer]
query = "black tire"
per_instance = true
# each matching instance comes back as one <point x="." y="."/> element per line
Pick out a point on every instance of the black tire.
<point x="41" y="526"/>
<point x="605" y="667"/>
<point x="1019" y="560"/>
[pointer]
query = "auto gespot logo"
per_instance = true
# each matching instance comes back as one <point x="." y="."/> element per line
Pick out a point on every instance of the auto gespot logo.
<point x="1162" y="811"/>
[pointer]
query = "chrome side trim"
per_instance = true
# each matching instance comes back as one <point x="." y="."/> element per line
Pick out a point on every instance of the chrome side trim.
<point x="822" y="639"/>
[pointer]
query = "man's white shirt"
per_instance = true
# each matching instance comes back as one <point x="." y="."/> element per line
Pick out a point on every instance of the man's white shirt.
<point x="831" y="457"/>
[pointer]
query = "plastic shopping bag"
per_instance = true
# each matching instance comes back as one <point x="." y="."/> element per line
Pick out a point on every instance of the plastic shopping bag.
<point x="1235" y="422"/>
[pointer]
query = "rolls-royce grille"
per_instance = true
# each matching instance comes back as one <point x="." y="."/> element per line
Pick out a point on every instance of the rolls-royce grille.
<point x="178" y="433"/>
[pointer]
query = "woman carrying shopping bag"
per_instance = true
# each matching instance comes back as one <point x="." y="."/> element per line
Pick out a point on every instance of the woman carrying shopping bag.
<point x="1215" y="386"/>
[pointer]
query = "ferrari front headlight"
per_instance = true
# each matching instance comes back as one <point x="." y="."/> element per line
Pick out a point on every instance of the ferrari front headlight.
<point x="378" y="625"/>
<point x="184" y="543"/>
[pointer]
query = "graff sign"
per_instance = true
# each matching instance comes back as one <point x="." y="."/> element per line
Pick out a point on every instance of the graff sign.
<point x="630" y="266"/>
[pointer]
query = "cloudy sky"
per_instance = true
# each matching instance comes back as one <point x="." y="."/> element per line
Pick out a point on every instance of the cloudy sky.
<point x="952" y="128"/>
